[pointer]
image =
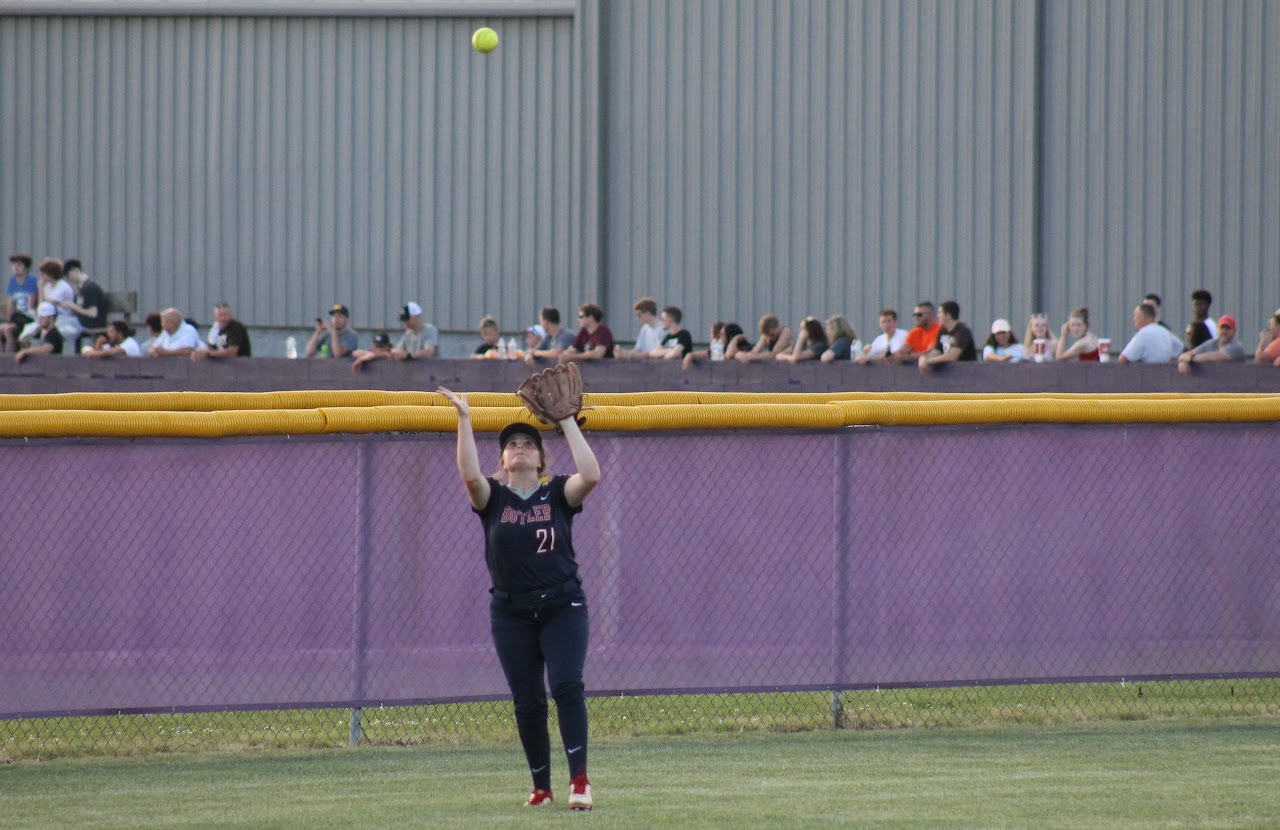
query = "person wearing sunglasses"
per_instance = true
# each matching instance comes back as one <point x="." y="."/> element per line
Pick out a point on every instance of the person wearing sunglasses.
<point x="922" y="338"/>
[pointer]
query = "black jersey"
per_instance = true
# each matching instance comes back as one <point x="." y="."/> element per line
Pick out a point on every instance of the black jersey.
<point x="528" y="543"/>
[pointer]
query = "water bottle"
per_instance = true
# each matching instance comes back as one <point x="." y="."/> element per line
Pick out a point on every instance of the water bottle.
<point x="512" y="348"/>
<point x="291" y="348"/>
<point x="502" y="349"/>
<point x="717" y="350"/>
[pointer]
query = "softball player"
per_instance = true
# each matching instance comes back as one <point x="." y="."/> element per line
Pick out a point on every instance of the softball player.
<point x="537" y="611"/>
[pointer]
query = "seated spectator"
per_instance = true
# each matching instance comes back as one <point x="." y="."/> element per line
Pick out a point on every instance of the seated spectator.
<point x="90" y="305"/>
<point x="811" y="343"/>
<point x="594" y="340"/>
<point x="955" y="342"/>
<point x="117" y="342"/>
<point x="381" y="351"/>
<point x="21" y="301"/>
<point x="335" y="338"/>
<point x="533" y="337"/>
<point x="420" y="339"/>
<point x="490" y="338"/>
<point x="842" y="339"/>
<point x="1200" y="302"/>
<point x="886" y="344"/>
<point x="775" y="339"/>
<point x="1002" y="346"/>
<point x="715" y="347"/>
<point x="1152" y="344"/>
<point x="178" y="338"/>
<point x="1038" y="329"/>
<point x="1268" y="350"/>
<point x="676" y="342"/>
<point x="227" y="337"/>
<point x="554" y="338"/>
<point x="47" y="339"/>
<point x="652" y="331"/>
<point x="735" y="340"/>
<point x="55" y="289"/>
<point x="922" y="338"/>
<point x="154" y="329"/>
<point x="1085" y="346"/>
<point x="1225" y="347"/>
<point x="1197" y="335"/>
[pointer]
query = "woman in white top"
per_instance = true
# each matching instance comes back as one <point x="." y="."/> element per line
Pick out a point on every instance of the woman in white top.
<point x="1038" y="329"/>
<point x="1002" y="346"/>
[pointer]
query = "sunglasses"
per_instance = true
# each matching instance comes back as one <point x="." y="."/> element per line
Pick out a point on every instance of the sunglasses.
<point x="917" y="314"/>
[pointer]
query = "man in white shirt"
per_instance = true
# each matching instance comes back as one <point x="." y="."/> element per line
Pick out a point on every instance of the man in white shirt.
<point x="178" y="338"/>
<point x="1152" y="343"/>
<point x="651" y="330"/>
<point x="890" y="340"/>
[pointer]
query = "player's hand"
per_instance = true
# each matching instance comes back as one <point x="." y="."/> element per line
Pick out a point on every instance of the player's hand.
<point x="459" y="403"/>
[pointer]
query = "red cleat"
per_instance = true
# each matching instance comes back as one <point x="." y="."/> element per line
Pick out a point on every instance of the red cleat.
<point x="580" y="793"/>
<point x="539" y="798"/>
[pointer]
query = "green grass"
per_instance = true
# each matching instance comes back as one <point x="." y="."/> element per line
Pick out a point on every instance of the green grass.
<point x="1183" y="774"/>
<point x="461" y="724"/>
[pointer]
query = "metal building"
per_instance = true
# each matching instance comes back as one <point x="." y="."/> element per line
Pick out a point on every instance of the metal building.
<point x="734" y="158"/>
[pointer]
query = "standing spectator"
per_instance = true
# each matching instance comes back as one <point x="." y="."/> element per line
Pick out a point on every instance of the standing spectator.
<point x="1152" y="344"/>
<point x="677" y="342"/>
<point x="1200" y="302"/>
<point x="1197" y="335"/>
<point x="955" y="342"/>
<point x="227" y="337"/>
<point x="554" y="338"/>
<point x="843" y="340"/>
<point x="652" y="331"/>
<point x="594" y="340"/>
<point x="811" y="343"/>
<point x="533" y="337"/>
<point x="889" y="342"/>
<point x="420" y="339"/>
<point x="21" y="301"/>
<point x="1085" y="346"/>
<point x="490" y="337"/>
<point x="178" y="338"/>
<point x="335" y="339"/>
<point x="1038" y="329"/>
<point x="922" y="338"/>
<point x="1002" y="346"/>
<point x="1226" y="346"/>
<point x="90" y="305"/>
<point x="46" y="339"/>
<point x="1269" y="343"/>
<point x="775" y="339"/>
<point x="117" y="342"/>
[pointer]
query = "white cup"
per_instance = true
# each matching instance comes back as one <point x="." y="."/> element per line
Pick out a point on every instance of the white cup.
<point x="1039" y="349"/>
<point x="1104" y="349"/>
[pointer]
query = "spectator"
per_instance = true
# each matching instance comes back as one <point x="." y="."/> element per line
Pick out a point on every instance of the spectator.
<point x="1038" y="329"/>
<point x="554" y="339"/>
<point x="1154" y="301"/>
<point x="1002" y="346"/>
<point x="842" y="338"/>
<point x="1269" y="343"/>
<point x="594" y="340"/>
<point x="775" y="339"/>
<point x="1152" y="344"/>
<point x="178" y="338"/>
<point x="1200" y="302"/>
<point x="717" y="345"/>
<point x="420" y="339"/>
<point x="677" y="342"/>
<point x="21" y="301"/>
<point x="955" y="342"/>
<point x="55" y="289"/>
<point x="117" y="342"/>
<point x="90" y="305"/>
<point x="1197" y="335"/>
<point x="490" y="338"/>
<point x="922" y="338"/>
<point x="1085" y="346"/>
<point x="227" y="337"/>
<point x="1226" y="346"/>
<point x="889" y="342"/>
<point x="381" y="351"/>
<point x="155" y="328"/>
<point x="337" y="338"/>
<point x="47" y="339"/>
<point x="811" y="343"/>
<point x="652" y="331"/>
<point x="533" y="337"/>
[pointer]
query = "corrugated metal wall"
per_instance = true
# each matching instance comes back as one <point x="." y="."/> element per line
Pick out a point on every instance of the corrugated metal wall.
<point x="284" y="164"/>
<point x="819" y="157"/>
<point x="1162" y="158"/>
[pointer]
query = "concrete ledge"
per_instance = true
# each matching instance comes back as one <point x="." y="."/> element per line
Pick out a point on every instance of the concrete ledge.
<point x="53" y="374"/>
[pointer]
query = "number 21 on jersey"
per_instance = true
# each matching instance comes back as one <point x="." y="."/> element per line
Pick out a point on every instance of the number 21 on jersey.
<point x="546" y="540"/>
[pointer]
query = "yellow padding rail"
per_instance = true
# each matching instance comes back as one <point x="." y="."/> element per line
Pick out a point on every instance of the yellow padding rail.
<point x="644" y="417"/>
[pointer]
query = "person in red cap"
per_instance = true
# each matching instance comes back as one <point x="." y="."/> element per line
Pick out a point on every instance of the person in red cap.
<point x="1226" y="346"/>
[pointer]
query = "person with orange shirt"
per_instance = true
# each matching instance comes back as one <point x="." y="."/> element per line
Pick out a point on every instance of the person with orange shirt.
<point x="921" y="339"/>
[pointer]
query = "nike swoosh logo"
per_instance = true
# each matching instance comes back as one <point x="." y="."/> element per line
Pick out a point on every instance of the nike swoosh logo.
<point x="539" y="769"/>
<point x="543" y="497"/>
<point x="575" y="749"/>
<point x="575" y="604"/>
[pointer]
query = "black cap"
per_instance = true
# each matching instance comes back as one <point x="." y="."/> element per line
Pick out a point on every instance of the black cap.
<point x="339" y="308"/>
<point x="519" y="428"/>
<point x="382" y="339"/>
<point x="71" y="263"/>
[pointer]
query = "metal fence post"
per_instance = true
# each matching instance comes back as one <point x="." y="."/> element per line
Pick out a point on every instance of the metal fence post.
<point x="839" y="574"/>
<point x="360" y="632"/>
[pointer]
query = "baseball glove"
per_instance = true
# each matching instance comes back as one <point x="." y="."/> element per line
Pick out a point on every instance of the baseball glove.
<point x="553" y="394"/>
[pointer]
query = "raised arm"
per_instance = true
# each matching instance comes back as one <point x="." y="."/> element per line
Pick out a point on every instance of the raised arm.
<point x="581" y="483"/>
<point x="468" y="459"/>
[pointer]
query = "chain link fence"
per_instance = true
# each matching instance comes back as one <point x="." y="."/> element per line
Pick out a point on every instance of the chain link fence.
<point x="316" y="592"/>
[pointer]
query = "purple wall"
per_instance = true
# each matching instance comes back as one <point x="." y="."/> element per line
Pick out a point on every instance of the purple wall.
<point x="166" y="574"/>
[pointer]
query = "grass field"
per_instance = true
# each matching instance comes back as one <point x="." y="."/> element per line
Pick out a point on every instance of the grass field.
<point x="1144" y="774"/>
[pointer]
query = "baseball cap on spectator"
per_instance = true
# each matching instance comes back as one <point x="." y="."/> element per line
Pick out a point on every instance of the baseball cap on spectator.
<point x="382" y="339"/>
<point x="409" y="311"/>
<point x="25" y="259"/>
<point x="71" y="263"/>
<point x="537" y="329"/>
<point x="47" y="310"/>
<point x="339" y="308"/>
<point x="1227" y="320"/>
<point x="1001" y="325"/>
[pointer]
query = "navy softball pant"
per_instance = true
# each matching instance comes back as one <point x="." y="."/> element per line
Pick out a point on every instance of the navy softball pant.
<point x="551" y="641"/>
